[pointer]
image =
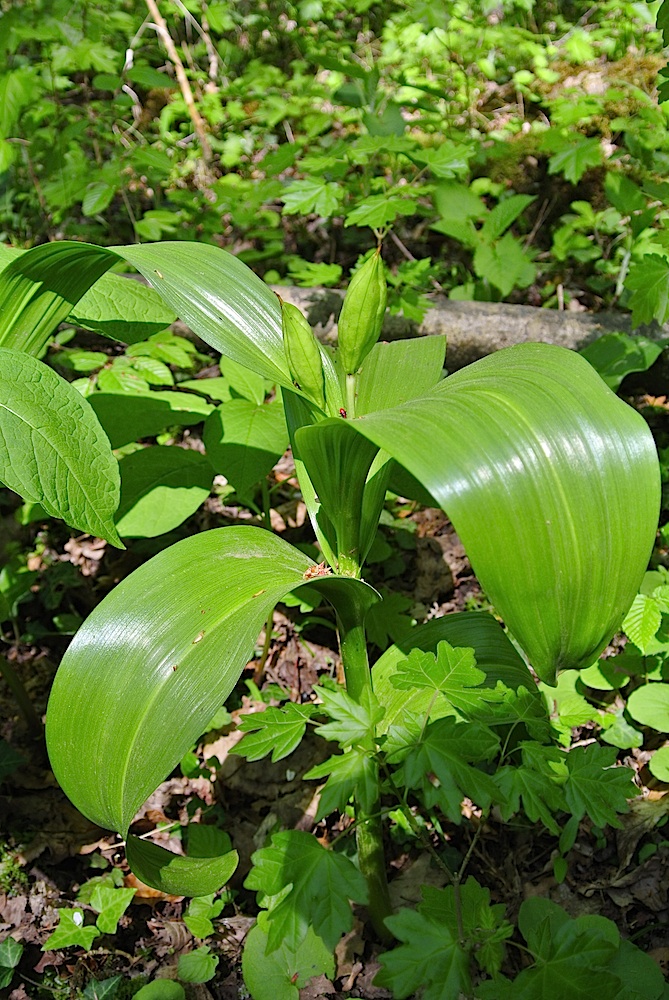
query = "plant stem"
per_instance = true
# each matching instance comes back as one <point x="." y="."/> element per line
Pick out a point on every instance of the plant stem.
<point x="21" y="695"/>
<point x="369" y="829"/>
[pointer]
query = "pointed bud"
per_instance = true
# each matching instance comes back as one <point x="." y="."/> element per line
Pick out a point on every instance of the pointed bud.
<point x="362" y="314"/>
<point x="303" y="353"/>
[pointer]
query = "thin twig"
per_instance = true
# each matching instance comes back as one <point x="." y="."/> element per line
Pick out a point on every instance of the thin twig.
<point x="160" y="27"/>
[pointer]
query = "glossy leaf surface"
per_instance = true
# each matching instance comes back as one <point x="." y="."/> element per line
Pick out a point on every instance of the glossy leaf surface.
<point x="52" y="448"/>
<point x="552" y="483"/>
<point x="120" y="715"/>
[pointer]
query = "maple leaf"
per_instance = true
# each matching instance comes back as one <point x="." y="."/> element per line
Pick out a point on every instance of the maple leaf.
<point x="276" y="730"/>
<point x="648" y="281"/>
<point x="596" y="788"/>
<point x="352" y="721"/>
<point x="319" y="885"/>
<point x="452" y="672"/>
<point x="351" y="773"/>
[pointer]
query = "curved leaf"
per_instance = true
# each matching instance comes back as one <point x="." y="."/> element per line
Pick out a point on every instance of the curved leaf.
<point x="244" y="441"/>
<point x="552" y="483"/>
<point x="52" y="448"/>
<point x="173" y="873"/>
<point x="143" y="675"/>
<point x="160" y="488"/>
<point x="122" y="309"/>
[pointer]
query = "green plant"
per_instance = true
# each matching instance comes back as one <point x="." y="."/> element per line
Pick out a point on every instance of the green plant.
<point x="541" y="469"/>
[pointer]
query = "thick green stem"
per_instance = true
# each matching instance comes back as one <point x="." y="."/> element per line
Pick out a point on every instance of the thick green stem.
<point x="21" y="696"/>
<point x="369" y="831"/>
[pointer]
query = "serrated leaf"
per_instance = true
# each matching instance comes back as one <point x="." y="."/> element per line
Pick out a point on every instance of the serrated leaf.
<point x="71" y="932"/>
<point x="378" y="210"/>
<point x="53" y="451"/>
<point x="352" y="721"/>
<point x="276" y="730"/>
<point x="322" y="883"/>
<point x="504" y="264"/>
<point x="575" y="157"/>
<point x="451" y="672"/>
<point x="503" y="215"/>
<point x="282" y="973"/>
<point x="350" y="773"/>
<point x="596" y="788"/>
<point x="531" y="790"/>
<point x="445" y="749"/>
<point x="648" y="281"/>
<point x="318" y="196"/>
<point x="642" y="621"/>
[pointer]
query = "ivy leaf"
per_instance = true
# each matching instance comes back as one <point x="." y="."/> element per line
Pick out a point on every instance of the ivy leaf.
<point x="104" y="989"/>
<point x="276" y="730"/>
<point x="71" y="931"/>
<point x="572" y="159"/>
<point x="644" y="617"/>
<point x="349" y="773"/>
<point x="111" y="903"/>
<point x="444" y="749"/>
<point x="595" y="787"/>
<point x="352" y="721"/>
<point x="321" y="885"/>
<point x="378" y="210"/>
<point x="320" y="197"/>
<point x="648" y="280"/>
<point x="10" y="956"/>
<point x="201" y="910"/>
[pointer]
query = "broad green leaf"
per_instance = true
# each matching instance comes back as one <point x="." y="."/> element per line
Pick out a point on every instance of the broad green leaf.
<point x="552" y="484"/>
<point x="276" y="730"/>
<point x="170" y="635"/>
<point x="322" y="883"/>
<point x="659" y="764"/>
<point x="172" y="873"/>
<point x="318" y="196"/>
<point x="214" y="293"/>
<point x="616" y="355"/>
<point x="39" y="288"/>
<point x="244" y="441"/>
<point x="197" y="966"/>
<point x="642" y="621"/>
<point x="649" y="705"/>
<point x="281" y="974"/>
<point x="447" y="160"/>
<point x="161" y="989"/>
<point x="126" y="417"/>
<point x="52" y="448"/>
<point x="160" y="488"/>
<point x="337" y="462"/>
<point x="377" y="210"/>
<point x="217" y="389"/>
<point x="451" y="670"/>
<point x="495" y="657"/>
<point x="393" y="373"/>
<point x="242" y="381"/>
<point x="71" y="932"/>
<point x="122" y="309"/>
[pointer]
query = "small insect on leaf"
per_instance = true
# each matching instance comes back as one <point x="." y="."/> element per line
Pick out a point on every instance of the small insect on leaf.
<point x="158" y="272"/>
<point x="199" y="636"/>
<point x="175" y="666"/>
<point x="342" y="412"/>
<point x="295" y="976"/>
<point x="258" y="593"/>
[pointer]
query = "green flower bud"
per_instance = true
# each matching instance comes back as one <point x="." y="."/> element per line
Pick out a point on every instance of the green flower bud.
<point x="303" y="353"/>
<point x="361" y="317"/>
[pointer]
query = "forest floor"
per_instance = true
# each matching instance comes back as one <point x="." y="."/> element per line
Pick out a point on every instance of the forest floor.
<point x="48" y="851"/>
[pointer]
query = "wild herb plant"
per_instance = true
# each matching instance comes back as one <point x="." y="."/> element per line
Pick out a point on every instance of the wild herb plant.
<point x="552" y="483"/>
